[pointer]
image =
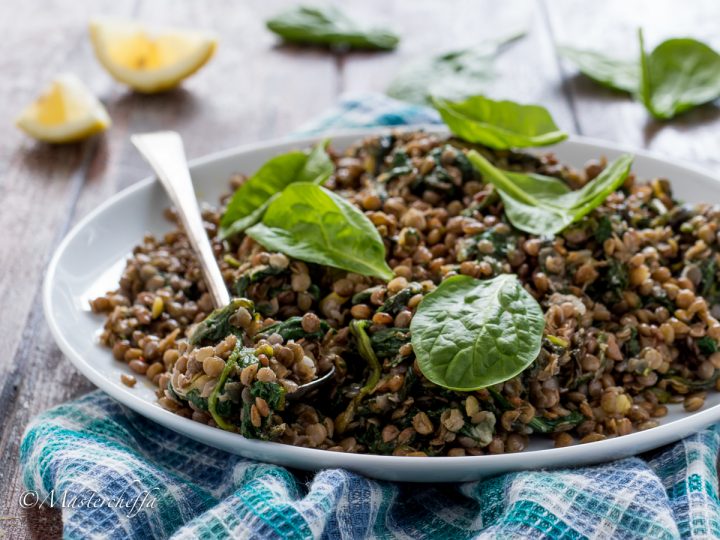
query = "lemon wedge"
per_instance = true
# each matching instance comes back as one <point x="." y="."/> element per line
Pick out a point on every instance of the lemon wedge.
<point x="149" y="60"/>
<point x="65" y="112"/>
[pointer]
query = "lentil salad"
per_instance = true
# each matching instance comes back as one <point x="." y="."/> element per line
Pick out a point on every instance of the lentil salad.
<point x="628" y="297"/>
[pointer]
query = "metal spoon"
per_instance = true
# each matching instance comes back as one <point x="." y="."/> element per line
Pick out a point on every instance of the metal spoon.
<point x="164" y="151"/>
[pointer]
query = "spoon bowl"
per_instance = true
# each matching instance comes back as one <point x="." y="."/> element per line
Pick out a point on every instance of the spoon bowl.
<point x="165" y="153"/>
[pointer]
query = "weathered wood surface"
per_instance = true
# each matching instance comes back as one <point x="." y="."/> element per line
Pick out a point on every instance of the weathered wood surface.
<point x="256" y="89"/>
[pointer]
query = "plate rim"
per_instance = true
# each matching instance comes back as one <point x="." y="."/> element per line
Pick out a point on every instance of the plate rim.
<point x="444" y="467"/>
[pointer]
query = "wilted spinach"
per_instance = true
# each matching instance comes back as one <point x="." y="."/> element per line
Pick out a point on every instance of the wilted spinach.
<point x="249" y="202"/>
<point x="216" y="326"/>
<point x="386" y="341"/>
<point x="312" y="224"/>
<point x="707" y="345"/>
<point x="539" y="206"/>
<point x="499" y="124"/>
<point x="538" y="423"/>
<point x="240" y="356"/>
<point x="469" y="334"/>
<point x="603" y="230"/>
<point x="292" y="329"/>
<point x="451" y="75"/>
<point x="364" y="346"/>
<point x="330" y="27"/>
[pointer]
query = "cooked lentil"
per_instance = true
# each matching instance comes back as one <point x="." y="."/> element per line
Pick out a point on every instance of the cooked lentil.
<point x="629" y="293"/>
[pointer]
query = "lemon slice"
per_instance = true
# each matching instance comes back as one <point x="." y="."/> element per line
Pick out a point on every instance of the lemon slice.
<point x="65" y="112"/>
<point x="149" y="60"/>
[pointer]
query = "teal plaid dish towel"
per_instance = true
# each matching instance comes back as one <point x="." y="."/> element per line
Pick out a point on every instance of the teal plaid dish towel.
<point x="117" y="475"/>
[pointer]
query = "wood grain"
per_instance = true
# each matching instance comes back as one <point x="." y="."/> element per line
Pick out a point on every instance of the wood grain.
<point x="257" y="89"/>
<point x="39" y="187"/>
<point x="611" y="26"/>
<point x="428" y="29"/>
<point x="243" y="95"/>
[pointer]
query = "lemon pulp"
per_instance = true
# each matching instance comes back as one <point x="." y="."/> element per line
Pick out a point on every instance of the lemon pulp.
<point x="149" y="60"/>
<point x="65" y="112"/>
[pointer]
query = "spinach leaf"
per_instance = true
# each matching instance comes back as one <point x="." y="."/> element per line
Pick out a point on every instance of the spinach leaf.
<point x="707" y="345"/>
<point x="292" y="329"/>
<point x="249" y="202"/>
<point x="274" y="395"/>
<point x="398" y="301"/>
<point x="603" y="230"/>
<point x="216" y="326"/>
<point x="254" y="274"/>
<point x="386" y="342"/>
<point x="328" y="26"/>
<point x="499" y="124"/>
<point x="312" y="224"/>
<point x="709" y="281"/>
<point x="678" y="75"/>
<point x="227" y="370"/>
<point x="451" y="75"/>
<point x="538" y="184"/>
<point x="533" y="206"/>
<point x="538" y="423"/>
<point x="364" y="346"/>
<point x="469" y="334"/>
<point x="622" y="75"/>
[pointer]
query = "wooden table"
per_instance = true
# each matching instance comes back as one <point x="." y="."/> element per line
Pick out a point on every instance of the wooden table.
<point x="252" y="90"/>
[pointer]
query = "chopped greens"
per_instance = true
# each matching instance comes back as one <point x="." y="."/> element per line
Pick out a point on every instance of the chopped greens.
<point x="292" y="329"/>
<point x="364" y="345"/>
<point x="217" y="325"/>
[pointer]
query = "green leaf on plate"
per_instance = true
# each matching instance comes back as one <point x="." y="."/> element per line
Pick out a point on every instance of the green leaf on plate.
<point x="469" y="334"/>
<point x="312" y="224"/>
<point x="451" y="75"/>
<point x="249" y="202"/>
<point x="499" y="124"/>
<point x="537" y="205"/>
<point x="328" y="26"/>
<point x="677" y="75"/>
<point x="622" y="75"/>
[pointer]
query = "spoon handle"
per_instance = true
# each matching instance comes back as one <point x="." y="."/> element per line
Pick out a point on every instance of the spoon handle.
<point x="164" y="151"/>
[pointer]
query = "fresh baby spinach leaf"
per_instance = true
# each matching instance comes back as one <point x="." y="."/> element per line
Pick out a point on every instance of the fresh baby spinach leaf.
<point x="533" y="206"/>
<point x="451" y="75"/>
<point x="312" y="224"/>
<point x="622" y="75"/>
<point x="469" y="334"/>
<point x="328" y="26"/>
<point x="499" y="124"/>
<point x="249" y="202"/>
<point x="678" y="75"/>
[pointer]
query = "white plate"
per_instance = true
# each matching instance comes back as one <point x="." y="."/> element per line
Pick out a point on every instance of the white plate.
<point x="89" y="260"/>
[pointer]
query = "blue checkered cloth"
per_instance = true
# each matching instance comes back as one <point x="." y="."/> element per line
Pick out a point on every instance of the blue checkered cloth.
<point x="118" y="475"/>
